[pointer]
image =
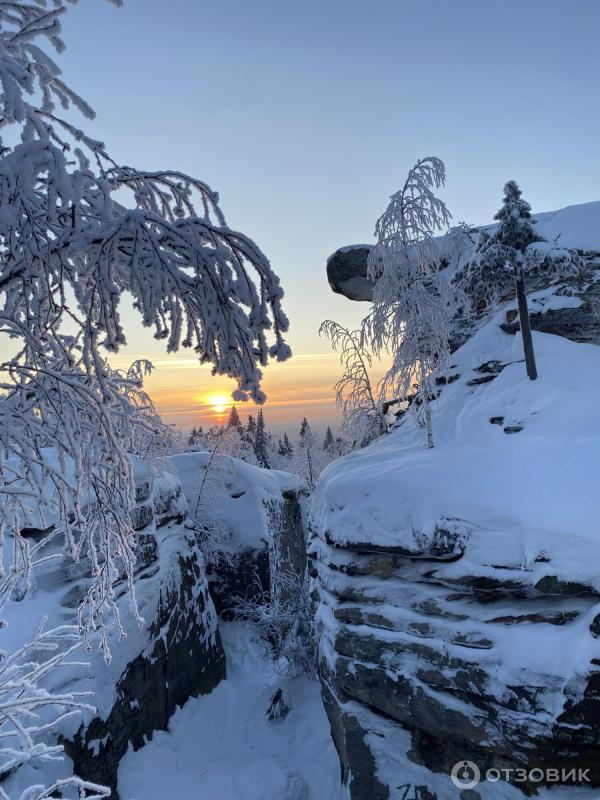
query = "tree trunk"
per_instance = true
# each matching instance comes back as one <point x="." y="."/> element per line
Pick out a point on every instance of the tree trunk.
<point x="428" y="424"/>
<point x="427" y="410"/>
<point x="525" y="323"/>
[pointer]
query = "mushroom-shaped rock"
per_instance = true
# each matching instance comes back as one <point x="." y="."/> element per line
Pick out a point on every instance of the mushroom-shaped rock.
<point x="347" y="272"/>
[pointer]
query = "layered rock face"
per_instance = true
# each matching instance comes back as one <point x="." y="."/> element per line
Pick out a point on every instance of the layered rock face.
<point x="456" y="589"/>
<point x="177" y="656"/>
<point x="465" y="667"/>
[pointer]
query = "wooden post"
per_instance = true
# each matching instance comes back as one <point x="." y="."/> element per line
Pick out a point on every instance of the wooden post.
<point x="525" y="323"/>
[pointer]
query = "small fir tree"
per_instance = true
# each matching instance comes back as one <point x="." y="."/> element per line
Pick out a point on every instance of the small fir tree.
<point x="234" y="419"/>
<point x="261" y="442"/>
<point x="305" y="461"/>
<point x="497" y="268"/>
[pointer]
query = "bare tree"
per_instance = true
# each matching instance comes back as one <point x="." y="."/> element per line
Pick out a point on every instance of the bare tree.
<point x="354" y="395"/>
<point x="412" y="302"/>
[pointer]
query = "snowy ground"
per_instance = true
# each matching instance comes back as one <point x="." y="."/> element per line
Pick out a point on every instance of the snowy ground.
<point x="222" y="745"/>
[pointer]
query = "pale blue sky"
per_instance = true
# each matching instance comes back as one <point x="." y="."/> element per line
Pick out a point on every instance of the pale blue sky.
<point x="306" y="115"/>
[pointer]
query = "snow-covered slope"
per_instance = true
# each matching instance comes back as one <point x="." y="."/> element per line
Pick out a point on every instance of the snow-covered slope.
<point x="576" y="227"/>
<point x="239" y="494"/>
<point x="532" y="490"/>
<point x="223" y="746"/>
<point x="458" y="588"/>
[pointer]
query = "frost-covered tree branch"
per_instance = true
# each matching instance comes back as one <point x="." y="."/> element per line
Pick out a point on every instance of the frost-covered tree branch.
<point x="69" y="250"/>
<point x="412" y="302"/>
<point x="28" y="711"/>
<point x="354" y="393"/>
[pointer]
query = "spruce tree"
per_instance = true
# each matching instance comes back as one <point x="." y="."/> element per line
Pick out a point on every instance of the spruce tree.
<point x="497" y="268"/>
<point x="284" y="447"/>
<point x="261" y="442"/>
<point x="328" y="441"/>
<point x="234" y="419"/>
<point x="195" y="434"/>
<point x="304" y="458"/>
<point x="305" y="429"/>
<point x="486" y="279"/>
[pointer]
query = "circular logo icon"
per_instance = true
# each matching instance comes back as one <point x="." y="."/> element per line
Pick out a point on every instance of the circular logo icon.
<point x="465" y="775"/>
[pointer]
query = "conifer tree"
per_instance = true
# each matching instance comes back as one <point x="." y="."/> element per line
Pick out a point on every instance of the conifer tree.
<point x="328" y="441"/>
<point x="304" y="463"/>
<point x="285" y="448"/>
<point x="261" y="442"/>
<point x="497" y="268"/>
<point x="486" y="278"/>
<point x="195" y="435"/>
<point x="234" y="419"/>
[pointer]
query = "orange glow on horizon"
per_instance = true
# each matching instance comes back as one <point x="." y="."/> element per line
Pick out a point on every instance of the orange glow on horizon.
<point x="218" y="402"/>
<point x="186" y="394"/>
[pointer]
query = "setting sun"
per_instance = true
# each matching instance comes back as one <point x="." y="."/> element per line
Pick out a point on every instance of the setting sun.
<point x="219" y="402"/>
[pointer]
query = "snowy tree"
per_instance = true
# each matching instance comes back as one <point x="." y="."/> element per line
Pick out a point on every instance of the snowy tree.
<point x="363" y="416"/>
<point x="485" y="278"/>
<point x="503" y="259"/>
<point x="413" y="303"/>
<point x="307" y="461"/>
<point x="68" y="251"/>
<point x="234" y="419"/>
<point x="285" y="448"/>
<point x="152" y="438"/>
<point x="251" y="425"/>
<point x="262" y="445"/>
<point x="195" y="436"/>
<point x="328" y="441"/>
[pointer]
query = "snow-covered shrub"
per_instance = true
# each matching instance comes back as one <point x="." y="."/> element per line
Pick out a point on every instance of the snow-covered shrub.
<point x="284" y="623"/>
<point x="547" y="260"/>
<point x="307" y="459"/>
<point x="28" y="710"/>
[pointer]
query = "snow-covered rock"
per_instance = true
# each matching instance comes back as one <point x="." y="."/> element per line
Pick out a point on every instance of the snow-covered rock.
<point x="574" y="227"/>
<point x="174" y="655"/>
<point x="259" y="512"/>
<point x="457" y="589"/>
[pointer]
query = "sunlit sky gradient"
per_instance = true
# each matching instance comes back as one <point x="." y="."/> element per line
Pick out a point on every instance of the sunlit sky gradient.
<point x="306" y="116"/>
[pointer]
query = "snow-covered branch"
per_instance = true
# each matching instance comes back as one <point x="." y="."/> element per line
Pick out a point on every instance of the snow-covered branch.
<point x="354" y="393"/>
<point x="413" y="303"/>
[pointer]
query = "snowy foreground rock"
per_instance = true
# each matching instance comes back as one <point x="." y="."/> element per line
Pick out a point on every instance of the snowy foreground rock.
<point x="457" y="589"/>
<point x="177" y="653"/>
